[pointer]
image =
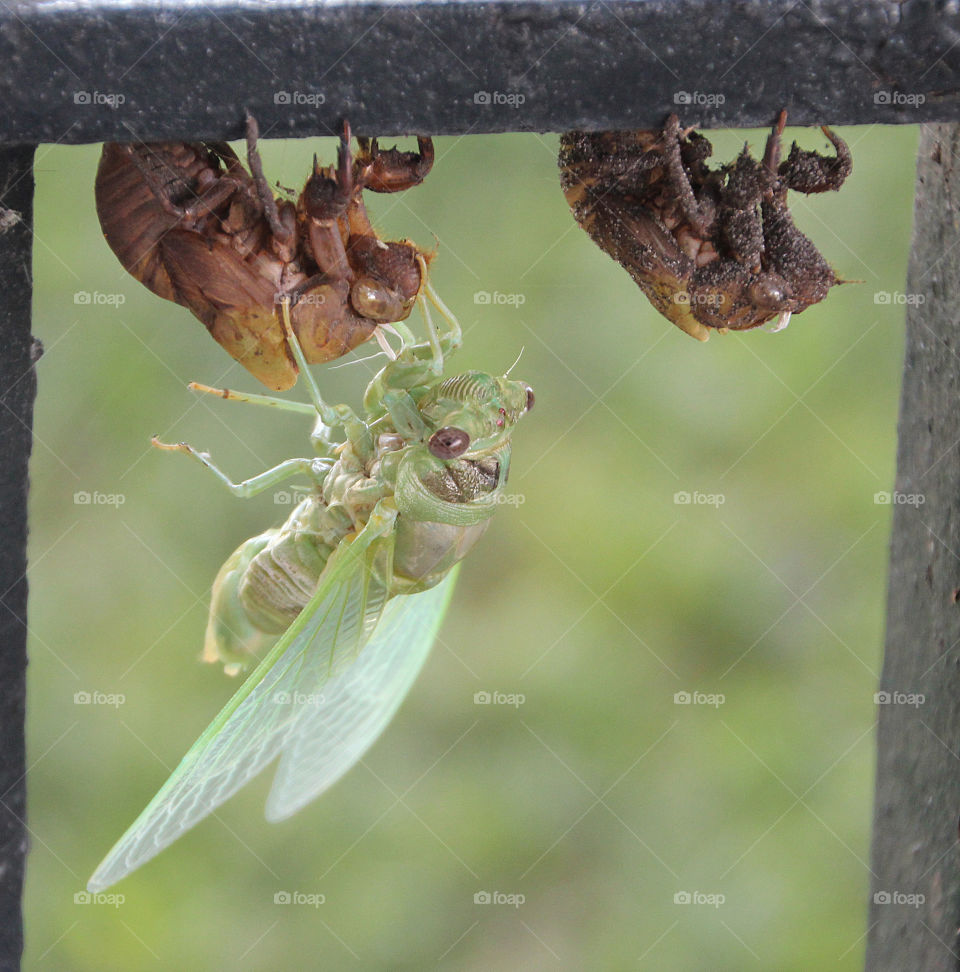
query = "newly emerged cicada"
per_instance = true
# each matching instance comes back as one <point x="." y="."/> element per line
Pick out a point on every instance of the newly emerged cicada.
<point x="189" y="221"/>
<point x="342" y="601"/>
<point x="713" y="249"/>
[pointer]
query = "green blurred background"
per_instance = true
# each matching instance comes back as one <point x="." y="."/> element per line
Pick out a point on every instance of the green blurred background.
<point x="598" y="799"/>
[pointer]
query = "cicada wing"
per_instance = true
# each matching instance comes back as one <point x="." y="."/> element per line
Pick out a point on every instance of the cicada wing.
<point x="337" y="727"/>
<point x="259" y="719"/>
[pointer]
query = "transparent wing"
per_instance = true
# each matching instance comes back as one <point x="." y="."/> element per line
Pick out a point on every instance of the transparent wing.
<point x="256" y="723"/>
<point x="337" y="727"/>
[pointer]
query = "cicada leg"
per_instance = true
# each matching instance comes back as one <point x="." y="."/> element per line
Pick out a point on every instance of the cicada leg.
<point x="256" y="484"/>
<point x="445" y="344"/>
<point x="329" y="416"/>
<point x="321" y="436"/>
<point x="227" y="394"/>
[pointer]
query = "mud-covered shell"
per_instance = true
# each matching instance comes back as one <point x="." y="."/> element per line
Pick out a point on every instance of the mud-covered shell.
<point x="712" y="249"/>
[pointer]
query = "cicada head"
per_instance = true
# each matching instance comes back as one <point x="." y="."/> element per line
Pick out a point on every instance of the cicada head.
<point x="473" y="413"/>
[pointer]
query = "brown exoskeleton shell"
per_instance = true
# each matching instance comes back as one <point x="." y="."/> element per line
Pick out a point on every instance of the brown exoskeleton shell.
<point x="191" y="223"/>
<point x="711" y="248"/>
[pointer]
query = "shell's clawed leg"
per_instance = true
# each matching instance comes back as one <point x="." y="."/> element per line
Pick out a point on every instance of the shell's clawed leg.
<point x="811" y="172"/>
<point x="208" y="201"/>
<point x="678" y="176"/>
<point x="771" y="154"/>
<point x="390" y="170"/>
<point x="281" y="231"/>
<point x="329" y="191"/>
<point x="248" y="487"/>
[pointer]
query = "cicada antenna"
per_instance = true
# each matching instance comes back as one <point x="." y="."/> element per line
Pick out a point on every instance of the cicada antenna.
<point x="515" y="363"/>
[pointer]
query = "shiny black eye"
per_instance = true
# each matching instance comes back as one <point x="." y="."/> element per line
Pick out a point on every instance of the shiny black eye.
<point x="448" y="443"/>
<point x="531" y="399"/>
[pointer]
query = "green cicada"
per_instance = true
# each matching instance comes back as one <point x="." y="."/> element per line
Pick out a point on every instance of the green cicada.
<point x="344" y="600"/>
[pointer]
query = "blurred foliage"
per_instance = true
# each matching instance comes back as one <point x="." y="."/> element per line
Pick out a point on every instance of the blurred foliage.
<point x="598" y="799"/>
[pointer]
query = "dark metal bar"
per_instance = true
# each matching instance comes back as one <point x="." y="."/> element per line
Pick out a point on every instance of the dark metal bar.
<point x="17" y="392"/>
<point x="915" y="909"/>
<point x="86" y="72"/>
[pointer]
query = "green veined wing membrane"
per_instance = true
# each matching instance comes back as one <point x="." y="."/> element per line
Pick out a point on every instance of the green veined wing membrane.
<point x="356" y="705"/>
<point x="323" y="653"/>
